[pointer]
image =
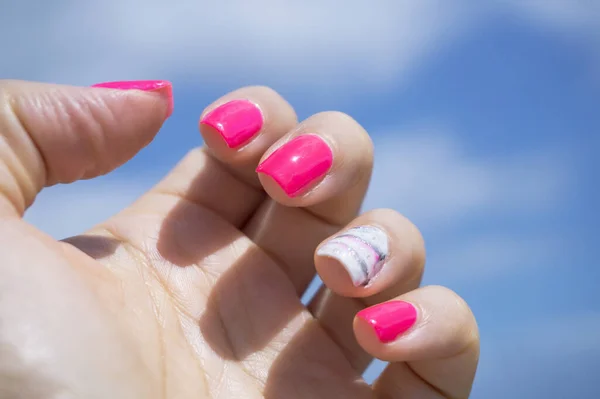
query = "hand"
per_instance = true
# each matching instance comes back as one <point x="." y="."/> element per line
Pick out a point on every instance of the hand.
<point x="193" y="291"/>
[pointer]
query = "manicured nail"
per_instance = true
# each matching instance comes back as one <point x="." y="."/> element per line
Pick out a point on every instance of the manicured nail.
<point x="298" y="163"/>
<point x="361" y="250"/>
<point x="236" y="121"/>
<point x="389" y="319"/>
<point x="163" y="87"/>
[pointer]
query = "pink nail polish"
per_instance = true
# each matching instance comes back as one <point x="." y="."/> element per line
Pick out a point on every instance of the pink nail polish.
<point x="236" y="121"/>
<point x="163" y="87"/>
<point x="389" y="319"/>
<point x="298" y="163"/>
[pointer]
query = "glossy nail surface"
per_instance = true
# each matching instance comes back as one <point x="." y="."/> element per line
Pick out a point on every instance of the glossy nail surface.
<point x="236" y="121"/>
<point x="298" y="163"/>
<point x="389" y="319"/>
<point x="361" y="250"/>
<point x="164" y="87"/>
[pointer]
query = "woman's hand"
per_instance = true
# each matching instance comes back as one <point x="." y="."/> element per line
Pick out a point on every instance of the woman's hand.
<point x="193" y="291"/>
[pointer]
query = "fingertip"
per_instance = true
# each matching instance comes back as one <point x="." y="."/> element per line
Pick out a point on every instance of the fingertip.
<point x="426" y="323"/>
<point x="381" y="252"/>
<point x="442" y="347"/>
<point x="239" y="127"/>
<point x="162" y="87"/>
<point x="81" y="132"/>
<point x="323" y="164"/>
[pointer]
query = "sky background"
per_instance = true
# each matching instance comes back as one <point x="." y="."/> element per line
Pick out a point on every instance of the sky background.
<point x="485" y="117"/>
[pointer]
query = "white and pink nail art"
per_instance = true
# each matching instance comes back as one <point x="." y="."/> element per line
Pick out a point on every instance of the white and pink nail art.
<point x="361" y="250"/>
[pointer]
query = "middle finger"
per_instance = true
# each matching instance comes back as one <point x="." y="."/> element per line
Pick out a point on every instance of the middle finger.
<point x="316" y="177"/>
<point x="378" y="256"/>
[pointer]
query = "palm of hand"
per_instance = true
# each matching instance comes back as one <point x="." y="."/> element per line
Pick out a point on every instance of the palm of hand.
<point x="177" y="303"/>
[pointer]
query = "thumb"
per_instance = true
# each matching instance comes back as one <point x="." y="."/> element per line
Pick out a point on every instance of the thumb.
<point x="53" y="134"/>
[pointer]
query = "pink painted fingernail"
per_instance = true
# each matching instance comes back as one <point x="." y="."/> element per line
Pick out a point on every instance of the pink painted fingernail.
<point x="298" y="163"/>
<point x="389" y="319"/>
<point x="236" y="121"/>
<point x="164" y="87"/>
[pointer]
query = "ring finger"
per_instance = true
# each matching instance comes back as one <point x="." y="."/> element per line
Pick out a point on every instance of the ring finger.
<point x="377" y="257"/>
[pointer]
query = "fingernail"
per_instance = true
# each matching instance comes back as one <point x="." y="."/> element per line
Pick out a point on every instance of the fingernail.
<point x="298" y="163"/>
<point x="389" y="319"/>
<point x="164" y="87"/>
<point x="236" y="121"/>
<point x="361" y="250"/>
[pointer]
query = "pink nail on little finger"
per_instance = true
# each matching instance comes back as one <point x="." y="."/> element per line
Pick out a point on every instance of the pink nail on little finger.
<point x="389" y="319"/>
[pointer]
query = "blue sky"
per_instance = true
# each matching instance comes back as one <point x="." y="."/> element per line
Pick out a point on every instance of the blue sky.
<point x="485" y="118"/>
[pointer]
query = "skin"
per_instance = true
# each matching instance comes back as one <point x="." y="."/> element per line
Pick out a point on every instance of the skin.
<point x="193" y="291"/>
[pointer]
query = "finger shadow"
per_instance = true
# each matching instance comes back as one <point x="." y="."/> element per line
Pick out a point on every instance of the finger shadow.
<point x="253" y="314"/>
<point x="249" y="305"/>
<point x="305" y="370"/>
<point x="251" y="302"/>
<point x="209" y="207"/>
<point x="195" y="230"/>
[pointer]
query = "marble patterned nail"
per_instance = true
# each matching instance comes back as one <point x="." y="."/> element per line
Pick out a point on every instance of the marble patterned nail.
<point x="361" y="250"/>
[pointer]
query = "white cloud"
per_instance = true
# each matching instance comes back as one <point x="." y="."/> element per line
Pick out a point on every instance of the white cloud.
<point x="304" y="42"/>
<point x="472" y="258"/>
<point x="318" y="43"/>
<point x="433" y="180"/>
